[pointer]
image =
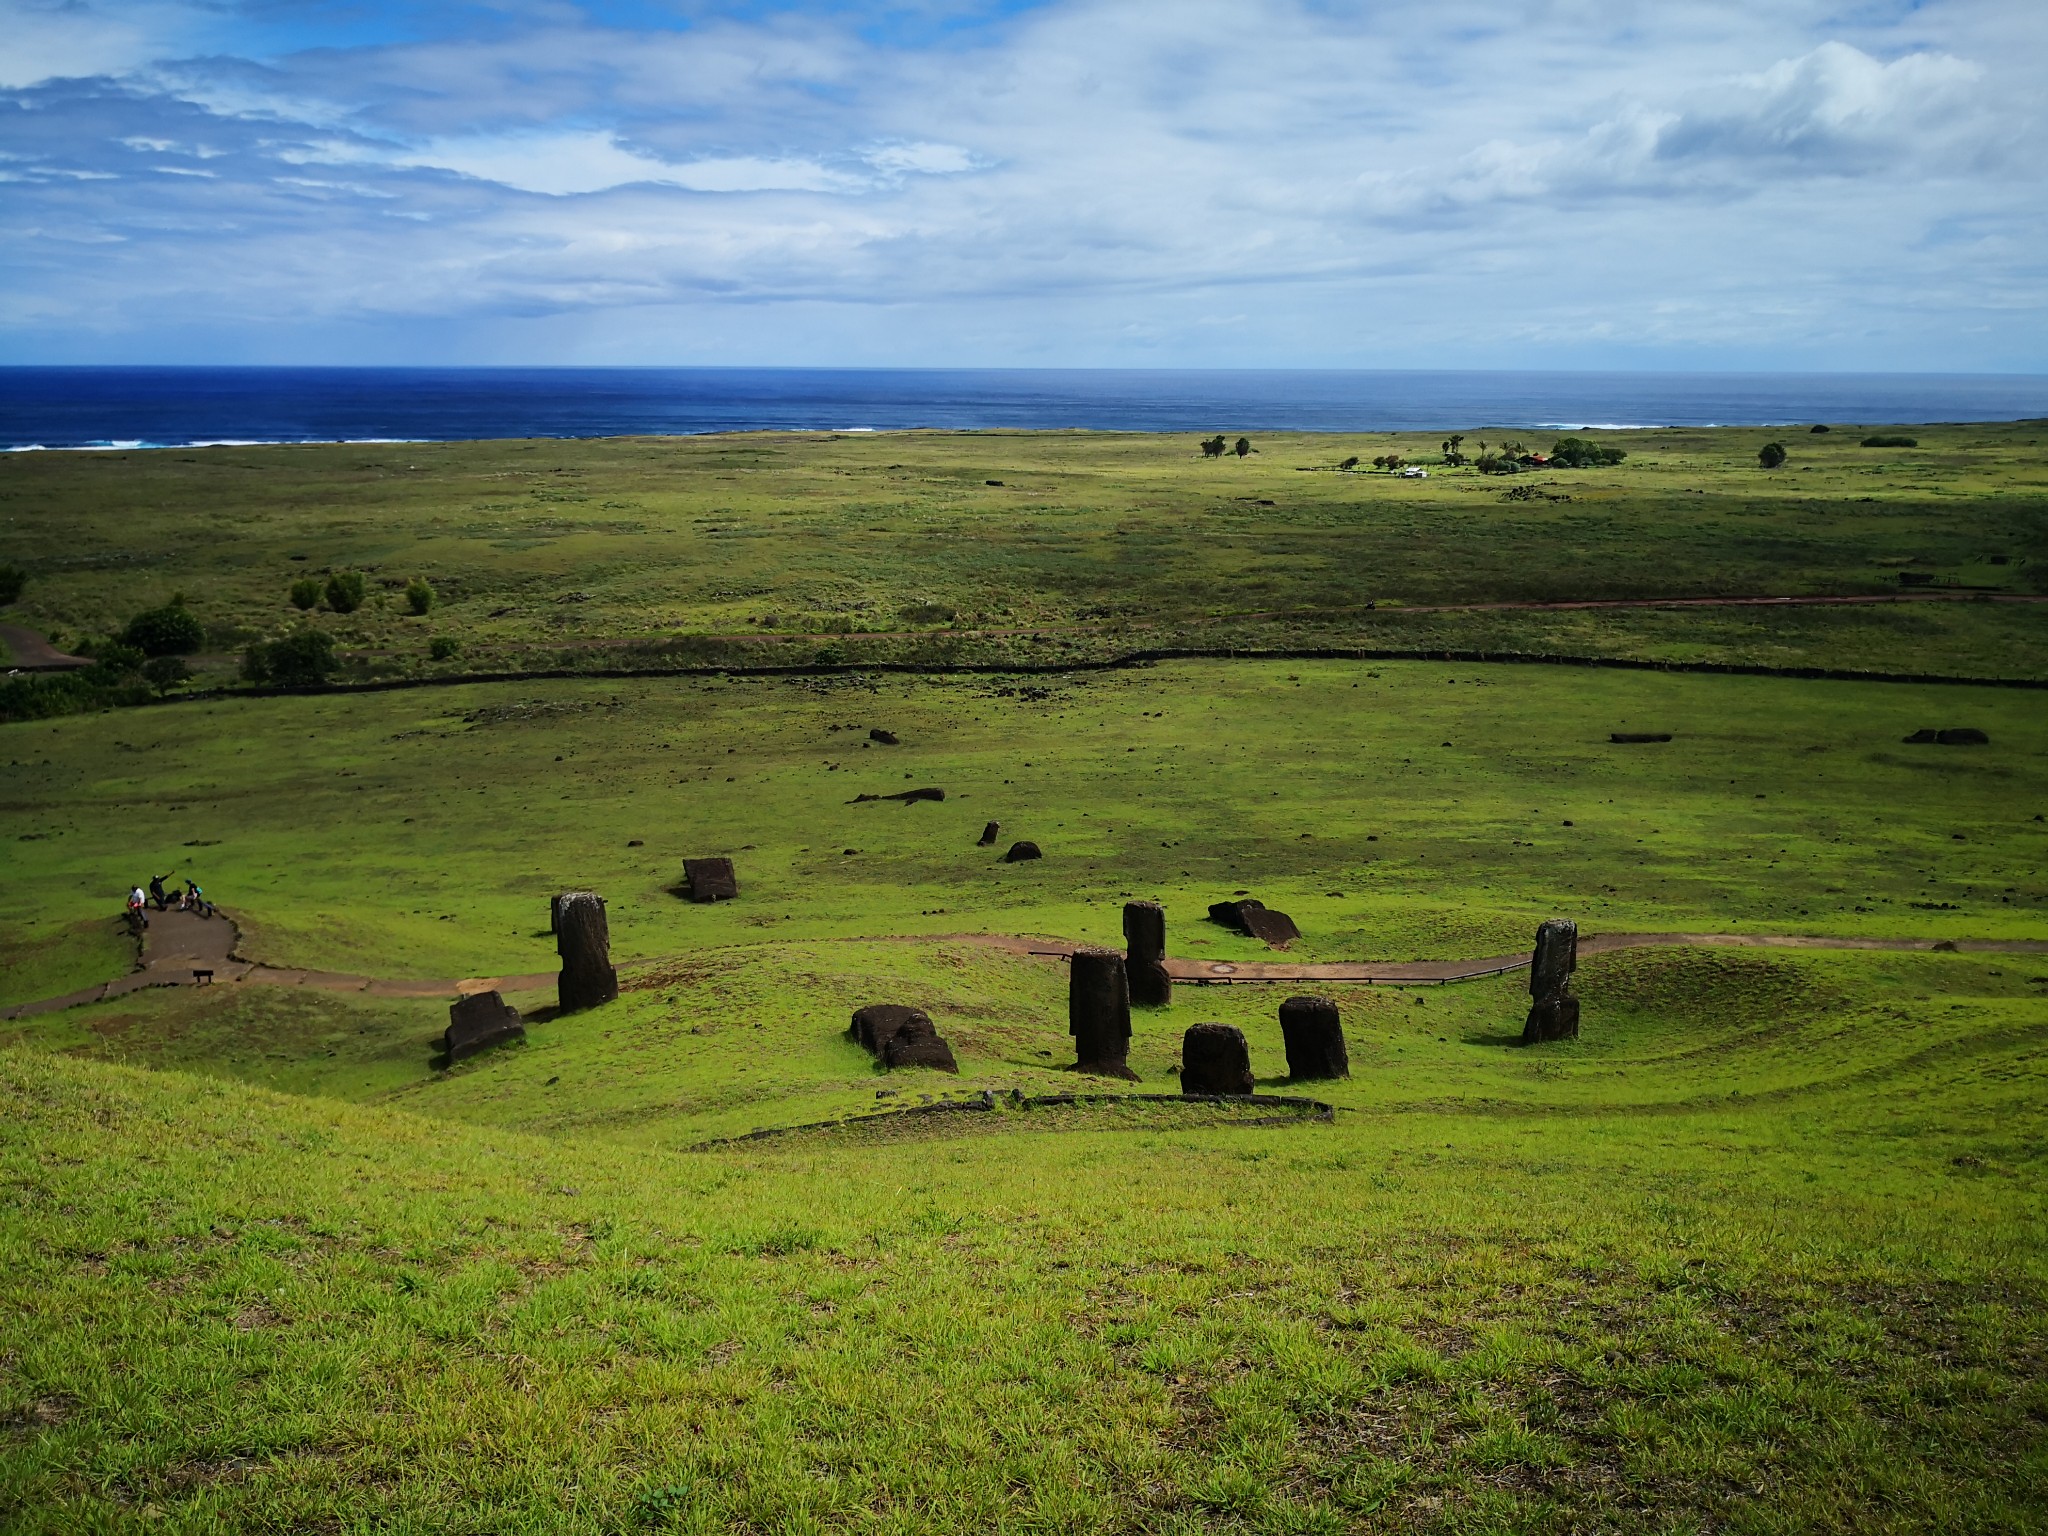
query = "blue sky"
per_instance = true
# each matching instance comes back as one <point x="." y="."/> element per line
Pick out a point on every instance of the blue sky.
<point x="1242" y="183"/>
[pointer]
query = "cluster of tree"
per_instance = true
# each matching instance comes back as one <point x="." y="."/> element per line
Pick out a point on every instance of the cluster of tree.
<point x="172" y="630"/>
<point x="302" y="659"/>
<point x="1215" y="447"/>
<point x="1389" y="461"/>
<point x="1582" y="453"/>
<point x="1454" y="449"/>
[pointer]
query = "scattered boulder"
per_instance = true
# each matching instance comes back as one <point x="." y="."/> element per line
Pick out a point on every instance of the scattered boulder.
<point x="1554" y="1015"/>
<point x="1633" y="738"/>
<point x="1255" y="920"/>
<point x="1215" y="1059"/>
<point x="711" y="879"/>
<point x="1916" y="578"/>
<point x="907" y="796"/>
<point x="1145" y="954"/>
<point x="1019" y="852"/>
<point x="899" y="1036"/>
<point x="478" y="1022"/>
<point x="1315" y="1038"/>
<point x="1099" y="1013"/>
<point x="988" y="835"/>
<point x="886" y="738"/>
<point x="583" y="940"/>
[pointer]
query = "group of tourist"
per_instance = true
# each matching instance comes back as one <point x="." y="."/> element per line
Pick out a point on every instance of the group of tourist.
<point x="164" y="899"/>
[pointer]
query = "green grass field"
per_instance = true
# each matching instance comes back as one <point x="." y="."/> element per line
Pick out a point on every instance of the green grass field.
<point x="1762" y="1252"/>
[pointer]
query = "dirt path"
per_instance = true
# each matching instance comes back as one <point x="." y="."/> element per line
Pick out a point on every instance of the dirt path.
<point x="182" y="949"/>
<point x="32" y="653"/>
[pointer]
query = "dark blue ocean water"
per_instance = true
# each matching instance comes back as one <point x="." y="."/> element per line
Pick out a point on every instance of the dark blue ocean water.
<point x="166" y="407"/>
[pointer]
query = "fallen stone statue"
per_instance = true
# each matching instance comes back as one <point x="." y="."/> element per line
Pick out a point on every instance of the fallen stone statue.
<point x="478" y="1022"/>
<point x="584" y="941"/>
<point x="1215" y="1059"/>
<point x="711" y="879"/>
<point x="899" y="1036"/>
<point x="1255" y="920"/>
<point x="1554" y="1015"/>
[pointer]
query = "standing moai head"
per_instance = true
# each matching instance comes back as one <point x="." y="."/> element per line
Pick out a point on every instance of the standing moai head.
<point x="988" y="835"/>
<point x="1215" y="1059"/>
<point x="1315" y="1038"/>
<point x="584" y="941"/>
<point x="1099" y="1013"/>
<point x="1554" y="1013"/>
<point x="1145" y="957"/>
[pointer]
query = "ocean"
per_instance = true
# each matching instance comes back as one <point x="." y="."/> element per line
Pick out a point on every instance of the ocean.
<point x="184" y="407"/>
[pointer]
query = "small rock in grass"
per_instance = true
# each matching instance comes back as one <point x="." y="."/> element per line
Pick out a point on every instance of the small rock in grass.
<point x="1020" y="852"/>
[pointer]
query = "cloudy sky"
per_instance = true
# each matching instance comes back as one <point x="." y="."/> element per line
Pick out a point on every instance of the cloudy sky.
<point x="1313" y="183"/>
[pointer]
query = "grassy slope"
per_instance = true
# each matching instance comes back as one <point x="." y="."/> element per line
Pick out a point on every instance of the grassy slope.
<point x="540" y="545"/>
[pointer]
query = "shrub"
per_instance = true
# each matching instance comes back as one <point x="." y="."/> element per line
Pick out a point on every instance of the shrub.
<point x="302" y="659"/>
<point x="163" y="673"/>
<point x="1890" y="440"/>
<point x="444" y="648"/>
<point x="305" y="592"/>
<point x="167" y="631"/>
<point x="419" y="595"/>
<point x="1771" y="455"/>
<point x="113" y="661"/>
<point x="1579" y="453"/>
<point x="1498" y="464"/>
<point x="12" y="579"/>
<point x="345" y="591"/>
<point x="1820" y="427"/>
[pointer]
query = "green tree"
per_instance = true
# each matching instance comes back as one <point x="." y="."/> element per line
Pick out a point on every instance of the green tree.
<point x="1212" y="447"/>
<point x="167" y="631"/>
<point x="345" y="591"/>
<point x="1771" y="455"/>
<point x="419" y="595"/>
<point x="305" y="592"/>
<point x="444" y="648"/>
<point x="12" y="579"/>
<point x="163" y="673"/>
<point x="1244" y="446"/>
<point x="301" y="659"/>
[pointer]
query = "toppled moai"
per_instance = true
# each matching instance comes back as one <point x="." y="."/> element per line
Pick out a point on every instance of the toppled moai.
<point x="1256" y="920"/>
<point x="988" y="835"/>
<point x="900" y="1036"/>
<point x="908" y="796"/>
<point x="1019" y="852"/>
<point x="478" y="1022"/>
<point x="1215" y="1059"/>
<point x="1955" y="736"/>
<point x="1554" y="1015"/>
<point x="711" y="879"/>
<point x="1315" y="1038"/>
<point x="1145" y="954"/>
<point x="1099" y="1013"/>
<point x="1637" y="738"/>
<point x="583" y="939"/>
<point x="885" y="738"/>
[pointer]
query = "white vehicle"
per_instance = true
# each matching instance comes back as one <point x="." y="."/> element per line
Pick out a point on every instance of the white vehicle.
<point x="1415" y="472"/>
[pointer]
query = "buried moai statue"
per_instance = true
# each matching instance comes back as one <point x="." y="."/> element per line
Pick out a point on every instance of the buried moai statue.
<point x="477" y="1022"/>
<point x="1099" y="1013"/>
<point x="710" y="879"/>
<point x="1554" y="1015"/>
<point x="1315" y="1038"/>
<point x="584" y="941"/>
<point x="1145" y="954"/>
<point x="988" y="835"/>
<point x="1215" y="1059"/>
<point x="900" y="1036"/>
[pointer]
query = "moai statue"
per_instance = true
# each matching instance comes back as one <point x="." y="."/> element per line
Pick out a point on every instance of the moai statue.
<point x="1145" y="954"/>
<point x="1555" y="1013"/>
<point x="1315" y="1038"/>
<point x="988" y="835"/>
<point x="1215" y="1059"/>
<point x="1099" y="1013"/>
<point x="584" y="942"/>
<point x="477" y="1022"/>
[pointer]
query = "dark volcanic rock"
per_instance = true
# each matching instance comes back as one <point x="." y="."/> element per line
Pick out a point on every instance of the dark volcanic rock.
<point x="1099" y="1013"/>
<point x="1019" y="852"/>
<point x="711" y="879"/>
<point x="1315" y="1038"/>
<point x="906" y="796"/>
<point x="1962" y="736"/>
<point x="584" y="941"/>
<point x="478" y="1022"/>
<point x="1630" y="738"/>
<point x="900" y="1036"/>
<point x="1256" y="920"/>
<point x="1924" y="738"/>
<point x="1554" y="1014"/>
<point x="1215" y="1059"/>
<point x="886" y="738"/>
<point x="988" y="835"/>
<point x="1145" y="954"/>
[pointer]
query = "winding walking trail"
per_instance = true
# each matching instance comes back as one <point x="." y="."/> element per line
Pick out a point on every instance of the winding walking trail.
<point x="32" y="653"/>
<point x="183" y="949"/>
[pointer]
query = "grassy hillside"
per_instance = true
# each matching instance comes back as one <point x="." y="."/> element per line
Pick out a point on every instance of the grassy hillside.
<point x="647" y="552"/>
